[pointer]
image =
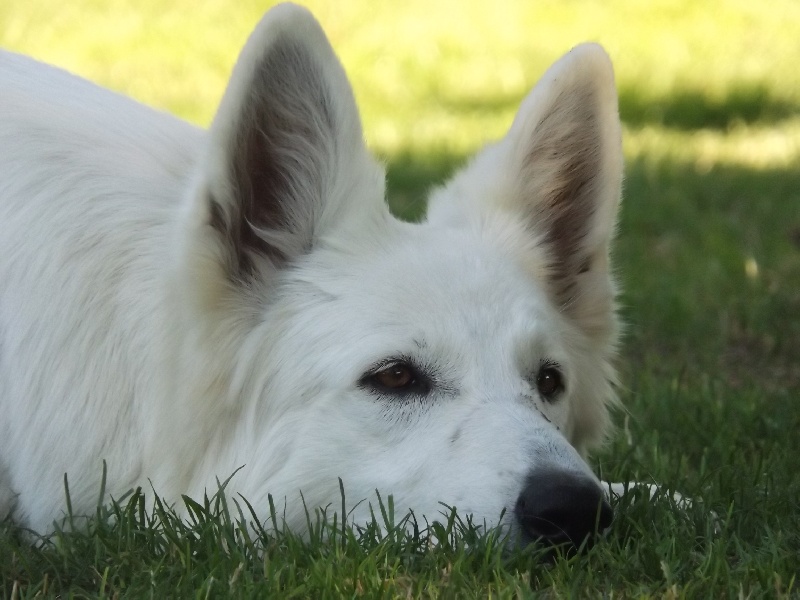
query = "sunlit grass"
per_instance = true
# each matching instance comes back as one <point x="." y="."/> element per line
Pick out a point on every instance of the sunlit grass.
<point x="446" y="75"/>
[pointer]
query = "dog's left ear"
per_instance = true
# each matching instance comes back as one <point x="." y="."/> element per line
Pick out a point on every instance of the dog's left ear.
<point x="284" y="159"/>
<point x="558" y="172"/>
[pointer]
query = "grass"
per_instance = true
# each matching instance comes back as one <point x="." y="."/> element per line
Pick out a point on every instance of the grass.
<point x="708" y="254"/>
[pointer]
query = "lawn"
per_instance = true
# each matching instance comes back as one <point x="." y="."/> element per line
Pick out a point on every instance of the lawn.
<point x="708" y="254"/>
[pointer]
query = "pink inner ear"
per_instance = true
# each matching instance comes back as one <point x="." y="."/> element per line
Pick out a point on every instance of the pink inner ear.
<point x="281" y="140"/>
<point x="560" y="178"/>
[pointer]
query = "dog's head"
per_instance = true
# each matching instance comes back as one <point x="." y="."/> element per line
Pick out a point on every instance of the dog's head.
<point x="464" y="360"/>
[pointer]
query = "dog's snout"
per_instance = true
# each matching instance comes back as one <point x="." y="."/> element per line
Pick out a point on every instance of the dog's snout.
<point x="560" y="507"/>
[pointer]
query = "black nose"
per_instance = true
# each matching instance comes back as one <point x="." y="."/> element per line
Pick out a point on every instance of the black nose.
<point x="560" y="507"/>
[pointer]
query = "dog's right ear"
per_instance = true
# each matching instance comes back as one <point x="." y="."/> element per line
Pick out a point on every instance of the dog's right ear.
<point x="558" y="173"/>
<point x="285" y="155"/>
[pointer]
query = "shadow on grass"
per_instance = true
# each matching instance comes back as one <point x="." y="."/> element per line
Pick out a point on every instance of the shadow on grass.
<point x="694" y="109"/>
<point x="410" y="179"/>
<point x="709" y="264"/>
<point x="681" y="109"/>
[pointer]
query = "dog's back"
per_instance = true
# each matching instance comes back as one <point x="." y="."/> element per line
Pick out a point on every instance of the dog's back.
<point x="89" y="185"/>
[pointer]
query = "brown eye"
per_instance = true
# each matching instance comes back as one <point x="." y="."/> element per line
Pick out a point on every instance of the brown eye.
<point x="399" y="378"/>
<point x="549" y="382"/>
<point x="395" y="377"/>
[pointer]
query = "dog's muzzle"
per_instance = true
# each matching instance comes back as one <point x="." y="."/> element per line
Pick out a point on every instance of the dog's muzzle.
<point x="560" y="507"/>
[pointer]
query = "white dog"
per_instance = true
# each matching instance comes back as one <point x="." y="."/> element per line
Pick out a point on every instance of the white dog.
<point x="181" y="303"/>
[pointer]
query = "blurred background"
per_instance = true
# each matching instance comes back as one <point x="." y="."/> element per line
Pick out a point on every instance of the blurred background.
<point x="709" y="244"/>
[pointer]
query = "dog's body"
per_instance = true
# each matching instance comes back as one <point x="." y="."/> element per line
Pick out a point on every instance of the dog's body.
<point x="182" y="303"/>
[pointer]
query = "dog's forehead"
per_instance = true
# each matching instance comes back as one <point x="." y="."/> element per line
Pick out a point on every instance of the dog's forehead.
<point x="450" y="276"/>
<point x="455" y="264"/>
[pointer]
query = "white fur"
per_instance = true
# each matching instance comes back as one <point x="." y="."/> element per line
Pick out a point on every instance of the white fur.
<point x="165" y="308"/>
